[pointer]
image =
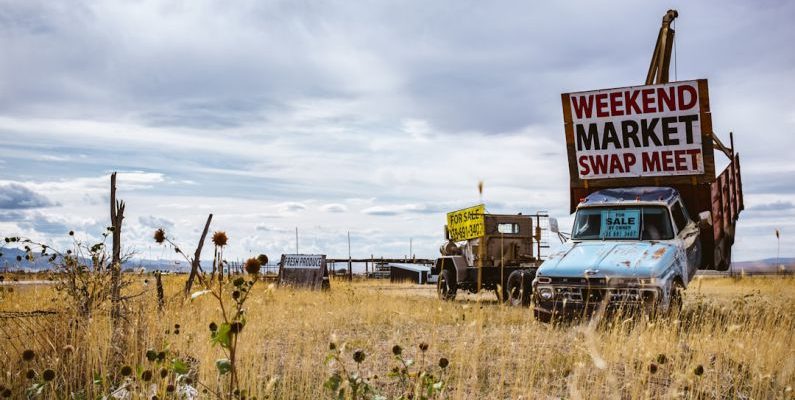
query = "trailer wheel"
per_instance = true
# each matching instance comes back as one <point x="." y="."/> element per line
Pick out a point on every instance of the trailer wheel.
<point x="519" y="288"/>
<point x="446" y="287"/>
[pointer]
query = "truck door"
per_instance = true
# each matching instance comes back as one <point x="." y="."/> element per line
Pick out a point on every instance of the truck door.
<point x="688" y="232"/>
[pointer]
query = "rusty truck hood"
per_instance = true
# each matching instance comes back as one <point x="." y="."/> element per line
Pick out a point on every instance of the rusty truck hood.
<point x="597" y="258"/>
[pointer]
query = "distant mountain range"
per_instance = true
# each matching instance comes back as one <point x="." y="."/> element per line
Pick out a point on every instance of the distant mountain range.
<point x="8" y="262"/>
<point x="10" y="256"/>
<point x="766" y="266"/>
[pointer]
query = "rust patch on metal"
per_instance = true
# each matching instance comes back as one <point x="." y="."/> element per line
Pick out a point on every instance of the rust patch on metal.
<point x="659" y="253"/>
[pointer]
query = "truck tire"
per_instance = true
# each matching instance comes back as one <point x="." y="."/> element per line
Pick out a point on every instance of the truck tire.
<point x="446" y="286"/>
<point x="519" y="288"/>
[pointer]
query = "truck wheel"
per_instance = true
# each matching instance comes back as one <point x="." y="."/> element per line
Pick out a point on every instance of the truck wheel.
<point x="519" y="288"/>
<point x="446" y="287"/>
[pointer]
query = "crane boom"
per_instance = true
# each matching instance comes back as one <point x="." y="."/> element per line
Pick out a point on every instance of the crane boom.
<point x="661" y="58"/>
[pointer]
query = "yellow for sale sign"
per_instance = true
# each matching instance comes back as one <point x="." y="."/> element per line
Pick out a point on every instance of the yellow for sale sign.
<point x="467" y="223"/>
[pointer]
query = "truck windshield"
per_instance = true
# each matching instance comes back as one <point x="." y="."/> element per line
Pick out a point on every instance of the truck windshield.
<point x="622" y="223"/>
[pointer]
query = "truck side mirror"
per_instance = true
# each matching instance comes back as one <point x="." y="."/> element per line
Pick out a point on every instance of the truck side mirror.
<point x="553" y="225"/>
<point x="704" y="219"/>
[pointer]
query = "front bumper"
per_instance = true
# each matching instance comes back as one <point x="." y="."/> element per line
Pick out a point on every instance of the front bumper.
<point x="569" y="301"/>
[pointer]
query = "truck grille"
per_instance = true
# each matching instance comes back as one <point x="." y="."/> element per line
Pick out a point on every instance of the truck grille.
<point x="597" y="295"/>
<point x="579" y="281"/>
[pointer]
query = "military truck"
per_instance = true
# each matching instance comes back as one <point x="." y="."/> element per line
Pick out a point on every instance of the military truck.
<point x="498" y="252"/>
<point x="650" y="210"/>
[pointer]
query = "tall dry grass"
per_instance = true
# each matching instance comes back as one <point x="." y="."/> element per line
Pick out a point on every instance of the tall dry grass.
<point x="734" y="339"/>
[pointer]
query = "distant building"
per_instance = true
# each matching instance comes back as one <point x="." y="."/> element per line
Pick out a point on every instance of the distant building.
<point x="416" y="273"/>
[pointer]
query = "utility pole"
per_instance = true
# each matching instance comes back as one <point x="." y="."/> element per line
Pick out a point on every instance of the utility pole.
<point x="350" y="263"/>
<point x="778" y="250"/>
<point x="481" y="242"/>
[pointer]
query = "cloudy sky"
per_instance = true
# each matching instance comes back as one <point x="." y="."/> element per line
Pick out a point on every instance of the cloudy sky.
<point x="373" y="117"/>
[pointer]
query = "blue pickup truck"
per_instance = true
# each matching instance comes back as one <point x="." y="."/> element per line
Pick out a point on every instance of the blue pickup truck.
<point x="650" y="208"/>
<point x="629" y="247"/>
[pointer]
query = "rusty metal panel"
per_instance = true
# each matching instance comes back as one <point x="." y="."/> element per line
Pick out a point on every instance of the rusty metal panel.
<point x="508" y="248"/>
<point x="568" y="127"/>
<point x="738" y="183"/>
<point x="726" y="205"/>
<point x="735" y="192"/>
<point x="730" y="203"/>
<point x="706" y="130"/>
<point x="727" y="202"/>
<point x="717" y="209"/>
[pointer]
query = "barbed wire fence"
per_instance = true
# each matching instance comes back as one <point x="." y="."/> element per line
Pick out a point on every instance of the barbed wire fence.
<point x="27" y="330"/>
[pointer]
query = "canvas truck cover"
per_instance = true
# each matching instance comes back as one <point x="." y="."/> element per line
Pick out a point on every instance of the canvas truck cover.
<point x="653" y="135"/>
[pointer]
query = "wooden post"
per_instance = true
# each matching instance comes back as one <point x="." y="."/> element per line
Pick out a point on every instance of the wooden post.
<point x="350" y="263"/>
<point x="481" y="255"/>
<point x="194" y="268"/>
<point x="116" y="310"/>
<point x="116" y="217"/>
<point x="215" y="264"/>
<point x="160" y="297"/>
<point x="221" y="265"/>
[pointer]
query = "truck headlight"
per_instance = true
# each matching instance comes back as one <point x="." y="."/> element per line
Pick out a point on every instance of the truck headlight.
<point x="546" y="293"/>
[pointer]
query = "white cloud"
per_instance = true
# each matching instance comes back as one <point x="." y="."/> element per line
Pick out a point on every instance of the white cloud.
<point x="15" y="196"/>
<point x="153" y="222"/>
<point x="292" y="207"/>
<point x="390" y="209"/>
<point x="334" y="208"/>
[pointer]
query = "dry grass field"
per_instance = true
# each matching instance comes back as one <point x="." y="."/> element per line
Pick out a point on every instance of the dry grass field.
<point x="734" y="339"/>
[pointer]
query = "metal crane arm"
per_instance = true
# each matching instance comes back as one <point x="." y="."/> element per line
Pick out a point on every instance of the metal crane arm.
<point x="661" y="58"/>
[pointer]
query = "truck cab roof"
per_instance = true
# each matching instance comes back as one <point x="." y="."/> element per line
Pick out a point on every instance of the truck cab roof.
<point x="655" y="194"/>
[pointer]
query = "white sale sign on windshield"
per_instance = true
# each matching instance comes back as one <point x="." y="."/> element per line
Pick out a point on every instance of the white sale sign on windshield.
<point x="620" y="224"/>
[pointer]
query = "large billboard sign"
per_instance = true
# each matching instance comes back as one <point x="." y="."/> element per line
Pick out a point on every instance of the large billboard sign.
<point x="466" y="224"/>
<point x="641" y="131"/>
